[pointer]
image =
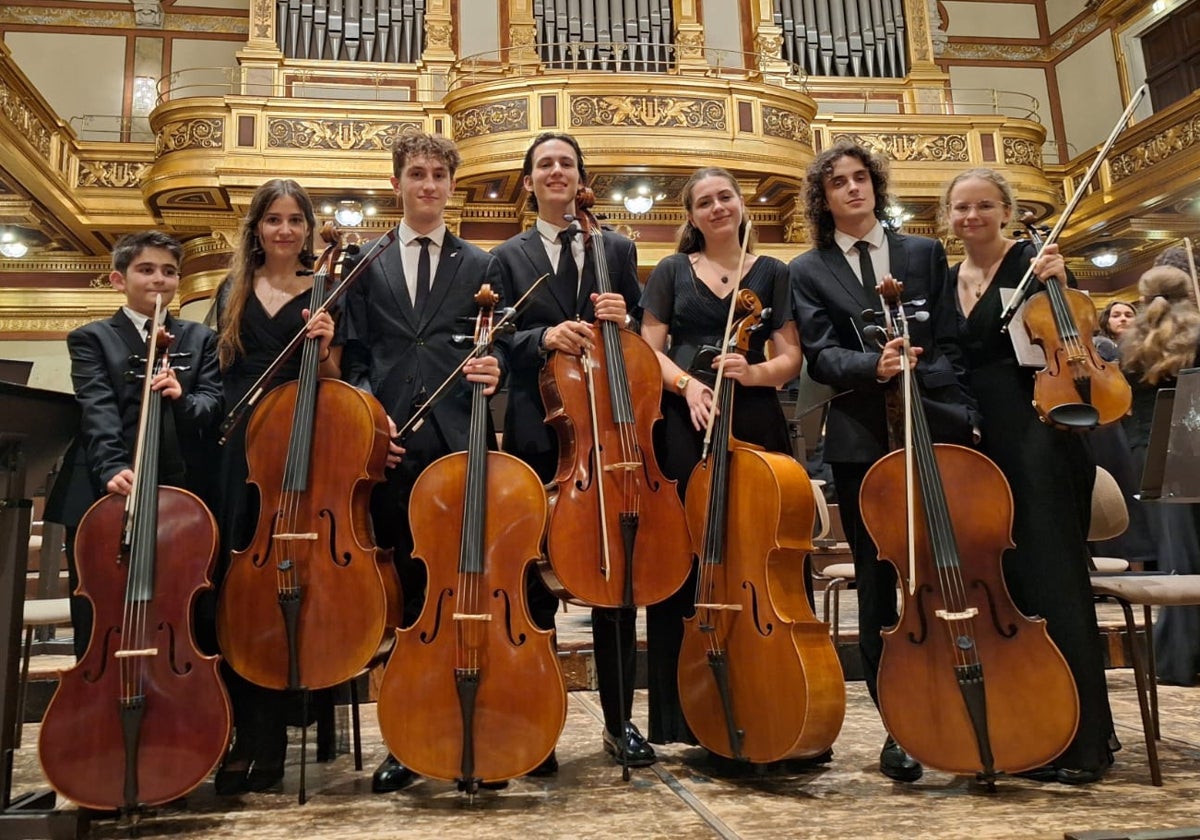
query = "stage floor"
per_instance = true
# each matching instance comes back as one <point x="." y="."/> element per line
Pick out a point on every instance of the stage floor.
<point x="681" y="796"/>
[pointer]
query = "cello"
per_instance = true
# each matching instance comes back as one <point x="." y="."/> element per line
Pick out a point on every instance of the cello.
<point x="143" y="718"/>
<point x="1076" y="390"/>
<point x="967" y="684"/>
<point x="759" y="679"/>
<point x="617" y="535"/>
<point x="473" y="690"/>
<point x="311" y="601"/>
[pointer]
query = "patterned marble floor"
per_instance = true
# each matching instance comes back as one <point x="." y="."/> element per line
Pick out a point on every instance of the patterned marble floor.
<point x="681" y="797"/>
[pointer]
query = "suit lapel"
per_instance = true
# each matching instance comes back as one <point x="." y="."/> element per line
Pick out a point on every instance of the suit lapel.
<point x="129" y="334"/>
<point x="448" y="264"/>
<point x="835" y="261"/>
<point x="898" y="256"/>
<point x="535" y="252"/>
<point x="391" y="263"/>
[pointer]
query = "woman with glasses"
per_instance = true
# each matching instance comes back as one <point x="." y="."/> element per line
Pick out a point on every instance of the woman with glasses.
<point x="1050" y="472"/>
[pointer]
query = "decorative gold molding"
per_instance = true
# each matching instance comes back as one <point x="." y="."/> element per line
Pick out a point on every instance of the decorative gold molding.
<point x="504" y="115"/>
<point x="648" y="111"/>
<point x="341" y="135"/>
<point x="118" y="174"/>
<point x="191" y="134"/>
<point x="17" y="112"/>
<point x="940" y="148"/>
<point x="1154" y="150"/>
<point x="1021" y="152"/>
<point x="230" y="23"/>
<point x="778" y="122"/>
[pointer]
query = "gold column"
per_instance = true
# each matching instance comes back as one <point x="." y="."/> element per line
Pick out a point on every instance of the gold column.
<point x="205" y="263"/>
<point x="928" y="81"/>
<point x="689" y="38"/>
<point x="768" y="40"/>
<point x="262" y="28"/>
<point x="522" y="36"/>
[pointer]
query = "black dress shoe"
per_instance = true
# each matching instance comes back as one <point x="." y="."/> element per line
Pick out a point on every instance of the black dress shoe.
<point x="898" y="765"/>
<point x="264" y="777"/>
<point x="547" y="768"/>
<point x="1045" y="773"/>
<point x="391" y="775"/>
<point x="231" y="782"/>
<point x="631" y="750"/>
<point x="1074" y="776"/>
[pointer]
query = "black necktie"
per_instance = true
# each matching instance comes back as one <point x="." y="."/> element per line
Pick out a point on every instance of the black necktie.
<point x="568" y="271"/>
<point x="423" y="273"/>
<point x="865" y="266"/>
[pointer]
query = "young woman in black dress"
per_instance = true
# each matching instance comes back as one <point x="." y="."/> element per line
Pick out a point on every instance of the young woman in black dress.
<point x="1050" y="472"/>
<point x="684" y="307"/>
<point x="260" y="306"/>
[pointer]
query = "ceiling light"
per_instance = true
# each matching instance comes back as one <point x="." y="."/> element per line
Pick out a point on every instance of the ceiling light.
<point x="12" y="247"/>
<point x="348" y="214"/>
<point x="1104" y="259"/>
<point x="639" y="202"/>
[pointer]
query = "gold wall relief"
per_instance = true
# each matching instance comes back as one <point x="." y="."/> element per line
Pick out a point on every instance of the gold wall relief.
<point x="1021" y="152"/>
<point x="1154" y="150"/>
<point x="341" y="135"/>
<point x="648" y="111"/>
<point x="23" y="118"/>
<point x="505" y="115"/>
<point x="264" y="19"/>
<point x="946" y="148"/>
<point x="120" y="174"/>
<point x="437" y="35"/>
<point x="192" y="134"/>
<point x="788" y="125"/>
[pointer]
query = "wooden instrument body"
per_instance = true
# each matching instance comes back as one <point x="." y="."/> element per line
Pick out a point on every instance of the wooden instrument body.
<point x="349" y="590"/>
<point x="786" y="683"/>
<point x="1031" y="702"/>
<point x="521" y="705"/>
<point x="185" y="721"/>
<point x="661" y="556"/>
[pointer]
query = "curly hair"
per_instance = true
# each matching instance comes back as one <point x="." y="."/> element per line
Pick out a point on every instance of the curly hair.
<point x="419" y="144"/>
<point x="249" y="257"/>
<point x="1163" y="338"/>
<point x="689" y="239"/>
<point x="816" y="207"/>
<point x="1176" y="256"/>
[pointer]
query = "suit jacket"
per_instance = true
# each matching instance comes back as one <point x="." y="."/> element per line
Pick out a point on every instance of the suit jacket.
<point x="522" y="261"/>
<point x="401" y="357"/>
<point x="110" y="403"/>
<point x="829" y="301"/>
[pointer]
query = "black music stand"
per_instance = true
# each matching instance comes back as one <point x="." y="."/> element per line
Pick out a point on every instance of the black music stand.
<point x="1172" y="471"/>
<point x="35" y="428"/>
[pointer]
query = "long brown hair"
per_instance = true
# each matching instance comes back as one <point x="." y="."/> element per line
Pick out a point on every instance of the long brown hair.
<point x="248" y="258"/>
<point x="689" y="239"/>
<point x="1163" y="337"/>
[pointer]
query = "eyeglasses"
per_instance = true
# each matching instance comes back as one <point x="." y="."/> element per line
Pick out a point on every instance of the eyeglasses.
<point x="962" y="208"/>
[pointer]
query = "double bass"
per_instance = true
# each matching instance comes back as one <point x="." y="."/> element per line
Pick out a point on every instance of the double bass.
<point x="143" y="718"/>
<point x="311" y="601"/>
<point x="473" y="691"/>
<point x="967" y="683"/>
<point x="759" y="679"/>
<point x="617" y="535"/>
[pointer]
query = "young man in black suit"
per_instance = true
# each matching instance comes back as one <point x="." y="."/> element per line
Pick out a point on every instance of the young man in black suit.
<point x="846" y="197"/>
<point x="144" y="265"/>
<point x="558" y="317"/>
<point x="401" y="321"/>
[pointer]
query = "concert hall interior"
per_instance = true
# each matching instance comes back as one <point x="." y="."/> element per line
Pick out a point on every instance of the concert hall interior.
<point x="119" y="116"/>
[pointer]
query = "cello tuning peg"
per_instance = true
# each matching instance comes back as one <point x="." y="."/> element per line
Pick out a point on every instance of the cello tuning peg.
<point x="507" y="328"/>
<point x="870" y="316"/>
<point x="459" y="338"/>
<point x="921" y="316"/>
<point x="181" y="367"/>
<point x="875" y="334"/>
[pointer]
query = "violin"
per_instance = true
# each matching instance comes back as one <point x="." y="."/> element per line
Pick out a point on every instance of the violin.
<point x="967" y="684"/>
<point x="473" y="690"/>
<point x="143" y="718"/>
<point x="311" y="601"/>
<point x="1076" y="390"/>
<point x="759" y="679"/>
<point x="617" y="535"/>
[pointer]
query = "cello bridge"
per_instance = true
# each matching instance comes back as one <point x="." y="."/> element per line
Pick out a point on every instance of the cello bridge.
<point x="471" y="617"/>
<point x="125" y="654"/>
<point x="946" y="615"/>
<point x="288" y="537"/>
<point x="628" y="466"/>
<point x="730" y="607"/>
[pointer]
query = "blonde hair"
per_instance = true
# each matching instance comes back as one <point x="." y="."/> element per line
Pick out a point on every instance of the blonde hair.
<point x="1007" y="197"/>
<point x="1163" y="338"/>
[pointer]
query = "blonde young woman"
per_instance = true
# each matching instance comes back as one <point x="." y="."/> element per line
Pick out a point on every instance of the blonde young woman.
<point x="1164" y="339"/>
<point x="1050" y="472"/>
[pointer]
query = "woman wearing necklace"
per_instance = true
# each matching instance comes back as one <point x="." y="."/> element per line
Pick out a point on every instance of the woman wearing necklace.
<point x="259" y="307"/>
<point x="1050" y="472"/>
<point x="685" y="306"/>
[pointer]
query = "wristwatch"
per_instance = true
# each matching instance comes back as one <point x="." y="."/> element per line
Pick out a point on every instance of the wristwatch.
<point x="682" y="382"/>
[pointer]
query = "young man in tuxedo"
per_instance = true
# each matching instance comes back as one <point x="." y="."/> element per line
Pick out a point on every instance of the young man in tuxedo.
<point x="558" y="317"/>
<point x="832" y="285"/>
<point x="402" y="318"/>
<point x="104" y="354"/>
